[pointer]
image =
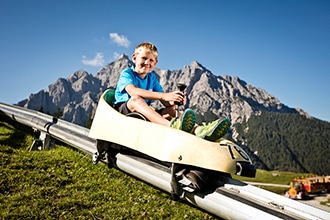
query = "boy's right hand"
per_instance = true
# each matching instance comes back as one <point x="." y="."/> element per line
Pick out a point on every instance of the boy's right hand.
<point x="174" y="97"/>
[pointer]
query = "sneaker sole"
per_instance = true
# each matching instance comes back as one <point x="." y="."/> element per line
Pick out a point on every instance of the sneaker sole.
<point x="219" y="130"/>
<point x="188" y="120"/>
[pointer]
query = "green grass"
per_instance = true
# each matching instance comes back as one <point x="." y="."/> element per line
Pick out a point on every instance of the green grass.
<point x="64" y="184"/>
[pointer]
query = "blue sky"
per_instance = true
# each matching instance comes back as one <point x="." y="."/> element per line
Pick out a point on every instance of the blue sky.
<point x="282" y="46"/>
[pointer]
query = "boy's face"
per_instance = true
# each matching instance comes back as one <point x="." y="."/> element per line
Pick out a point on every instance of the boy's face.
<point x="144" y="61"/>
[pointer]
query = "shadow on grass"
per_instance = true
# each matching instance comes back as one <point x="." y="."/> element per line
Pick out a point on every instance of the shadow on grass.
<point x="14" y="133"/>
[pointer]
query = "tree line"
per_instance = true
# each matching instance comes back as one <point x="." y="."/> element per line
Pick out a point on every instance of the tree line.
<point x="287" y="142"/>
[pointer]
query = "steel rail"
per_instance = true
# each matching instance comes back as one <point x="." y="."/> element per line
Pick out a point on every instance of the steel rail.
<point x="226" y="198"/>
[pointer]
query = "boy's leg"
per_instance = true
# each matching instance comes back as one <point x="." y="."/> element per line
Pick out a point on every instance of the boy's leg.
<point x="186" y="122"/>
<point x="168" y="112"/>
<point x="137" y="104"/>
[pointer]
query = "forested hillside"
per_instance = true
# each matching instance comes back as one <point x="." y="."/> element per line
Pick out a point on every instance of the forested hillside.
<point x="287" y="142"/>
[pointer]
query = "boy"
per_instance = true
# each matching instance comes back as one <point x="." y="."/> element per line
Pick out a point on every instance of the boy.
<point x="138" y="86"/>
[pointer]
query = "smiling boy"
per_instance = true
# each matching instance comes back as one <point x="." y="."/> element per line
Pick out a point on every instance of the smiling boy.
<point x="138" y="86"/>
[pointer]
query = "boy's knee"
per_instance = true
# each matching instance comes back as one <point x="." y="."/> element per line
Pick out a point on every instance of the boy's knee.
<point x="135" y="102"/>
<point x="136" y="99"/>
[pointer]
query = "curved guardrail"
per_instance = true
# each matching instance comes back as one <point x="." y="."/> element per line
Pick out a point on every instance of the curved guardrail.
<point x="69" y="133"/>
<point x="229" y="199"/>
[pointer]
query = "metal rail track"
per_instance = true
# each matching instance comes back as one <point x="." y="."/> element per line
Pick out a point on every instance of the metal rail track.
<point x="226" y="197"/>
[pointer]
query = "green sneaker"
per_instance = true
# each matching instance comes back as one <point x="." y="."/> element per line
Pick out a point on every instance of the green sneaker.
<point x="186" y="122"/>
<point x="213" y="131"/>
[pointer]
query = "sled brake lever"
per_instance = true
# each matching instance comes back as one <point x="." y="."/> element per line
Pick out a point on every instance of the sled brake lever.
<point x="181" y="87"/>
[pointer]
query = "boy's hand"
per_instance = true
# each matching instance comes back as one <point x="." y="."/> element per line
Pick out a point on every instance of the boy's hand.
<point x="176" y="96"/>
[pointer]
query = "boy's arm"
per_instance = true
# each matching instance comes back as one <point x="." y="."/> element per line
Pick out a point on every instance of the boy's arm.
<point x="167" y="98"/>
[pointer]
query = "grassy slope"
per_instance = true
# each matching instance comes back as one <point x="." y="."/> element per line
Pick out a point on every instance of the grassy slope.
<point x="64" y="184"/>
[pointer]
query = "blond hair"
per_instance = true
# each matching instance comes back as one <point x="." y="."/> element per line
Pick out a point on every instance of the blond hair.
<point x="151" y="48"/>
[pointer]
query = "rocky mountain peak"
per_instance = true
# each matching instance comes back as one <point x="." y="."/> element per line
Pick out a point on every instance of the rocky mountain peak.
<point x="108" y="75"/>
<point x="122" y="57"/>
<point x="77" y="75"/>
<point x="197" y="65"/>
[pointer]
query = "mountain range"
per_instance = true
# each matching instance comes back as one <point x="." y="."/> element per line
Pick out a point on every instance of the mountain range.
<point x="253" y="112"/>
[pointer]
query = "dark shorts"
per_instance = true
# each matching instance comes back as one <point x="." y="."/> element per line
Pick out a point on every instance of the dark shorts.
<point x="122" y="108"/>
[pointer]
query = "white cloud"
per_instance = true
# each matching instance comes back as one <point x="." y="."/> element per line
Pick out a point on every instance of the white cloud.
<point x="97" y="61"/>
<point x="120" y="40"/>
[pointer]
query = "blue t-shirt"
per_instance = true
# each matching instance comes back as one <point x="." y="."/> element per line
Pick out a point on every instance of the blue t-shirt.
<point x="129" y="76"/>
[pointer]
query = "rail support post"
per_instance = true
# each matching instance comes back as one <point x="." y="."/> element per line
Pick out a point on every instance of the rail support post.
<point x="45" y="142"/>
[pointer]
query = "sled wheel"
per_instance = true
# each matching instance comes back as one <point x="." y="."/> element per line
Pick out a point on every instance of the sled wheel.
<point x="198" y="179"/>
